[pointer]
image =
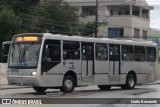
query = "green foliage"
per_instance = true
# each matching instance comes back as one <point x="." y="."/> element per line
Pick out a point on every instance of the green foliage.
<point x="25" y="6"/>
<point x="87" y="29"/>
<point x="22" y="8"/>
<point x="56" y="16"/>
<point x="10" y="25"/>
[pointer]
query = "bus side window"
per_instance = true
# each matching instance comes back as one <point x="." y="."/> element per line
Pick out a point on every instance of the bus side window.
<point x="71" y="50"/>
<point x="101" y="52"/>
<point x="150" y="54"/>
<point x="51" y="52"/>
<point x="51" y="55"/>
<point x="84" y="52"/>
<point x="139" y="53"/>
<point x="114" y="52"/>
<point x="127" y="53"/>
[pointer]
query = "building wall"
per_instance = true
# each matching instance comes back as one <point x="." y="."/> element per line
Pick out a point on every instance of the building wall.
<point x="128" y="22"/>
<point x="3" y="76"/>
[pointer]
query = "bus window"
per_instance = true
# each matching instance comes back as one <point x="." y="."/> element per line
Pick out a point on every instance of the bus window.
<point x="101" y="52"/>
<point x="87" y="51"/>
<point x="51" y="55"/>
<point x="127" y="53"/>
<point x="150" y="54"/>
<point x="71" y="50"/>
<point x="114" y="52"/>
<point x="139" y="53"/>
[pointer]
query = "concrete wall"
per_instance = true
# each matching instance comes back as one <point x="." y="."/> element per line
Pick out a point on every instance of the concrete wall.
<point x="3" y="77"/>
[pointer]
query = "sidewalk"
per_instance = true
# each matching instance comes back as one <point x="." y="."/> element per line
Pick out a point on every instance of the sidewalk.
<point x="157" y="82"/>
<point x="6" y="86"/>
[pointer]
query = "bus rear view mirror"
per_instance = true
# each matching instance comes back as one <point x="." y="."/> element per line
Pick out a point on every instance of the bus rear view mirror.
<point x="5" y="48"/>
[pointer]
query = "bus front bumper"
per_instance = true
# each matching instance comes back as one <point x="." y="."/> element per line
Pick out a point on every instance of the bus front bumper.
<point x="21" y="80"/>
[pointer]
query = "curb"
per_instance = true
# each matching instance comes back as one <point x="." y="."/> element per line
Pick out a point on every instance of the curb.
<point x="15" y="87"/>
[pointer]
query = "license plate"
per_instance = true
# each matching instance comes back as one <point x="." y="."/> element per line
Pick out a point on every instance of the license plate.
<point x="20" y="78"/>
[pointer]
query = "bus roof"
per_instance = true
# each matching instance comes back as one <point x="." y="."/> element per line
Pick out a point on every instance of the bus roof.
<point x="127" y="41"/>
<point x="99" y="40"/>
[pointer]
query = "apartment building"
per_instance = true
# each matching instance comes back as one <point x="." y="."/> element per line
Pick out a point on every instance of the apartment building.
<point x="117" y="18"/>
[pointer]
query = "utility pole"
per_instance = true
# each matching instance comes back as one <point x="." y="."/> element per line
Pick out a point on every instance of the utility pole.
<point x="96" y="19"/>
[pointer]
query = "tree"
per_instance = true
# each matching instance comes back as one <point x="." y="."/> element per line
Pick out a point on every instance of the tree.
<point x="56" y="16"/>
<point x="87" y="29"/>
<point x="22" y="8"/>
<point x="10" y="25"/>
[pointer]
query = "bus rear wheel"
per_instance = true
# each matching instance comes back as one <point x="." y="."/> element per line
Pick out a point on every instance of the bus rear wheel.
<point x="39" y="89"/>
<point x="130" y="82"/>
<point x="68" y="84"/>
<point x="104" y="87"/>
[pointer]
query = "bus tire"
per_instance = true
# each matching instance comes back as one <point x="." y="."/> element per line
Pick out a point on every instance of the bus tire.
<point x="68" y="84"/>
<point x="130" y="81"/>
<point x="123" y="87"/>
<point x="39" y="89"/>
<point x="104" y="87"/>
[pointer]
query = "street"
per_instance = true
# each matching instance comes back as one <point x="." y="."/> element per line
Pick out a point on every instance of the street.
<point x="142" y="91"/>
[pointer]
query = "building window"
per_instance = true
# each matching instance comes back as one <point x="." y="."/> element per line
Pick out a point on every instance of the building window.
<point x="136" y="33"/>
<point x="115" y="32"/>
<point x="145" y="34"/>
<point x="89" y="10"/>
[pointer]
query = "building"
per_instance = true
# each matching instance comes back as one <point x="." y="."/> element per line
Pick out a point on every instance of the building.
<point x="122" y="18"/>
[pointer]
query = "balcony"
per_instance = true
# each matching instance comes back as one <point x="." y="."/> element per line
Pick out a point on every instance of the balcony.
<point x="128" y="21"/>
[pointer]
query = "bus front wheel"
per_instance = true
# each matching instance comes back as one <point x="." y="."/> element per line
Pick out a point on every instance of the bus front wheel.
<point x="104" y="87"/>
<point x="39" y="89"/>
<point x="68" y="84"/>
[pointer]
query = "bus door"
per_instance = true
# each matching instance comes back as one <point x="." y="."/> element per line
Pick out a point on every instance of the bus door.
<point x="114" y="59"/>
<point x="87" y="66"/>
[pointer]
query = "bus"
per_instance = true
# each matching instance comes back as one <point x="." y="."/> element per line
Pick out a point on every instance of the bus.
<point x="44" y="60"/>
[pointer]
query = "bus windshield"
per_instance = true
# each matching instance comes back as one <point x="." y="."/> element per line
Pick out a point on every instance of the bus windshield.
<point x="24" y="54"/>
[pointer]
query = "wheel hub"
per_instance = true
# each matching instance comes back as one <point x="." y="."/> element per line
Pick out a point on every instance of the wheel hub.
<point x="131" y="82"/>
<point x="68" y="84"/>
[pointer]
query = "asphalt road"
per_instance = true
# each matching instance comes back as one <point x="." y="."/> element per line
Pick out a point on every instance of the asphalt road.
<point x="144" y="91"/>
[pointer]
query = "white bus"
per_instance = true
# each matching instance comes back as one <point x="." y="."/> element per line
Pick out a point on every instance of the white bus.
<point x="64" y="62"/>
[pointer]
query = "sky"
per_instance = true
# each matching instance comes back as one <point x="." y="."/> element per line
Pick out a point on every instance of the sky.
<point x="155" y="14"/>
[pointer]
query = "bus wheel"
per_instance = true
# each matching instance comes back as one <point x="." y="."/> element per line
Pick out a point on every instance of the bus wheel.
<point x="104" y="87"/>
<point x="39" y="89"/>
<point x="130" y="81"/>
<point x="68" y="84"/>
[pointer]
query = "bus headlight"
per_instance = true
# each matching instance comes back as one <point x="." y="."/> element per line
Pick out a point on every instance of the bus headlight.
<point x="34" y="73"/>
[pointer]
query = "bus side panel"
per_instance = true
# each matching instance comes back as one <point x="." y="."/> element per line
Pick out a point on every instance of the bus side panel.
<point x="151" y="72"/>
<point x="126" y="66"/>
<point x="101" y="72"/>
<point x="141" y="71"/>
<point x="141" y="78"/>
<point x="53" y="77"/>
<point x="75" y="66"/>
<point x="101" y="79"/>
